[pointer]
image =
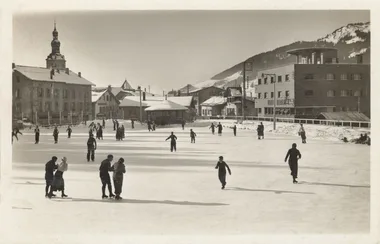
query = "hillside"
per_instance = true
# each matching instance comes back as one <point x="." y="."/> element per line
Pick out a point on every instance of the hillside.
<point x="350" y="40"/>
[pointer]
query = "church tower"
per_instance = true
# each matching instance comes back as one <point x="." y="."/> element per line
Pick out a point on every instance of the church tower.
<point x="55" y="60"/>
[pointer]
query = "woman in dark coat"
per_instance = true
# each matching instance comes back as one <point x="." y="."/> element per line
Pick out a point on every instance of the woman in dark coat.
<point x="58" y="181"/>
<point x="37" y="132"/>
<point x="55" y="135"/>
<point x="294" y="155"/>
<point x="220" y="129"/>
<point x="118" y="176"/>
<point x="69" y="130"/>
<point x="212" y="127"/>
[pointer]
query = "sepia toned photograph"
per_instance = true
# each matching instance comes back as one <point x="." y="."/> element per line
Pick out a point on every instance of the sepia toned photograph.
<point x="191" y="122"/>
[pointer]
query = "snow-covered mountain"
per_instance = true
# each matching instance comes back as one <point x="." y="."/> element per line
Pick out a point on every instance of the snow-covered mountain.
<point x="350" y="40"/>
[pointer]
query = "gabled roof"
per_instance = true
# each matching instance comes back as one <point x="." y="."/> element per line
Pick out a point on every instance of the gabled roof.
<point x="344" y="116"/>
<point x="215" y="101"/>
<point x="43" y="74"/>
<point x="166" y="106"/>
<point x="126" y="85"/>
<point x="96" y="95"/>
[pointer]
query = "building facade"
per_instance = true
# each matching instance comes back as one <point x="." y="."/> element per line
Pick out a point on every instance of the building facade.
<point x="316" y="83"/>
<point x="50" y="94"/>
<point x="202" y="94"/>
<point x="105" y="105"/>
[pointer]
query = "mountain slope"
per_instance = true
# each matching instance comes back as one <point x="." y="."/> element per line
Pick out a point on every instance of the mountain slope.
<point x="350" y="41"/>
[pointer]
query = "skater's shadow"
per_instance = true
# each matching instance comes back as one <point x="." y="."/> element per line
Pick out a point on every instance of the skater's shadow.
<point x="262" y="190"/>
<point x="330" y="184"/>
<point x="185" y="203"/>
<point x="29" y="183"/>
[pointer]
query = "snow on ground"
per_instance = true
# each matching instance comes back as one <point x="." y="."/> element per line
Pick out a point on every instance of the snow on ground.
<point x="353" y="54"/>
<point x="179" y="193"/>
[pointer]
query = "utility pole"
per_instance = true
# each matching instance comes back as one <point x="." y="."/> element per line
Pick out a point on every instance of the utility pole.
<point x="140" y="105"/>
<point x="243" y="100"/>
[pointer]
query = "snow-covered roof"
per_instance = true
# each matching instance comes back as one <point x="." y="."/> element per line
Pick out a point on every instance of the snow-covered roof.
<point x="96" y="95"/>
<point x="166" y="105"/>
<point x="43" y="74"/>
<point x="344" y="116"/>
<point x="134" y="101"/>
<point x="214" y="101"/>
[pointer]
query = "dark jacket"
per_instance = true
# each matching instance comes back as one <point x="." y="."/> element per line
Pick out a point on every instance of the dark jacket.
<point x="222" y="167"/>
<point x="172" y="138"/>
<point x="91" y="143"/>
<point x="118" y="170"/>
<point x="105" y="167"/>
<point x="49" y="169"/>
<point x="293" y="155"/>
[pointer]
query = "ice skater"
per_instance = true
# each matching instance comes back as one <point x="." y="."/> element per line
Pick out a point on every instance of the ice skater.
<point x="15" y="132"/>
<point x="99" y="133"/>
<point x="294" y="155"/>
<point x="104" y="168"/>
<point x="173" y="142"/>
<point x="154" y="126"/>
<point x="302" y="133"/>
<point x="118" y="175"/>
<point x="69" y="130"/>
<point x="260" y="131"/>
<point x="50" y="167"/>
<point x="183" y="124"/>
<point x="37" y="134"/>
<point x="122" y="132"/>
<point x="234" y="129"/>
<point x="58" y="181"/>
<point x="104" y="123"/>
<point x="221" y="165"/>
<point x="133" y="123"/>
<point x="212" y="127"/>
<point x="91" y="147"/>
<point x="55" y="135"/>
<point x="220" y="129"/>
<point x="192" y="135"/>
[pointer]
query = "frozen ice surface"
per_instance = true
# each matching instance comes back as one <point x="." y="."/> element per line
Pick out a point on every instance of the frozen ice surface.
<point x="179" y="193"/>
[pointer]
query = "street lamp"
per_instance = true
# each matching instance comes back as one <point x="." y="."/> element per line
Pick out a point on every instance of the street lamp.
<point x="274" y="98"/>
<point x="139" y="89"/>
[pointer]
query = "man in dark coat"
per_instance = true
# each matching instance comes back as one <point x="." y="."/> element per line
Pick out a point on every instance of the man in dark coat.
<point x="122" y="132"/>
<point x="50" y="167"/>
<point x="69" y="130"/>
<point x="114" y="124"/>
<point x="221" y="165"/>
<point x="293" y="155"/>
<point x="234" y="129"/>
<point x="154" y="126"/>
<point x="192" y="136"/>
<point x="118" y="175"/>
<point x="212" y="127"/>
<point x="91" y="147"/>
<point x="260" y="131"/>
<point x="104" y="168"/>
<point x="37" y="132"/>
<point x="104" y="123"/>
<point x="149" y="126"/>
<point x="55" y="135"/>
<point x="100" y="132"/>
<point x="133" y="123"/>
<point x="173" y="142"/>
<point x="183" y="124"/>
<point x="220" y="129"/>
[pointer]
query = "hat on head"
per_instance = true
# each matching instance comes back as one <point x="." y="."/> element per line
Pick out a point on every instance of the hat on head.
<point x="121" y="160"/>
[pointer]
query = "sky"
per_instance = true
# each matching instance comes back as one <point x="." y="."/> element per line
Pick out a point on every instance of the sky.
<point x="166" y="50"/>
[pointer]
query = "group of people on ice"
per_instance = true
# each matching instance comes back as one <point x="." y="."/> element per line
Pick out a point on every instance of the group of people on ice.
<point x="54" y="177"/>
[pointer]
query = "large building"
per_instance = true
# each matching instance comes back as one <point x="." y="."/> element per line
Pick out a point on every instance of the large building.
<point x="316" y="83"/>
<point x="52" y="94"/>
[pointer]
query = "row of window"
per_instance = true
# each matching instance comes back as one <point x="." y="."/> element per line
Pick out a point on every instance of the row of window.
<point x="48" y="93"/>
<point x="332" y="93"/>
<point x="289" y="111"/>
<point x="74" y="107"/>
<point x="272" y="79"/>
<point x="331" y="76"/>
<point x="279" y="94"/>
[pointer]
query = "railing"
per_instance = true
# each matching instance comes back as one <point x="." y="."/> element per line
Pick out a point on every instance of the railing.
<point x="358" y="124"/>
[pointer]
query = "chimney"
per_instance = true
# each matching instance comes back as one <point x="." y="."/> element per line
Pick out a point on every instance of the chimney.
<point x="109" y="88"/>
<point x="359" y="59"/>
<point x="144" y="97"/>
<point x="13" y="65"/>
<point x="67" y="71"/>
<point x="80" y="74"/>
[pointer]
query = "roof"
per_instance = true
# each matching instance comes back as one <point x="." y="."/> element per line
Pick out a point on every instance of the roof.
<point x="95" y="95"/>
<point x="43" y="74"/>
<point x="126" y="86"/>
<point x="234" y="91"/>
<point x="310" y="49"/>
<point x="132" y="101"/>
<point x="344" y="116"/>
<point x="166" y="105"/>
<point x="214" y="101"/>
<point x="203" y="88"/>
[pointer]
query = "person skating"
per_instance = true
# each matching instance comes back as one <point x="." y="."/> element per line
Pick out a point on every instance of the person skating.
<point x="50" y="167"/>
<point x="221" y="166"/>
<point x="212" y="127"/>
<point x="69" y="130"/>
<point x="118" y="175"/>
<point x="294" y="155"/>
<point x="15" y="131"/>
<point x="100" y="132"/>
<point x="153" y="126"/>
<point x="104" y="123"/>
<point x="260" y="131"/>
<point x="234" y="129"/>
<point x="302" y="133"/>
<point x="91" y="147"/>
<point x="55" y="135"/>
<point x="117" y="124"/>
<point x="192" y="135"/>
<point x="37" y="134"/>
<point x="58" y="181"/>
<point x="133" y="123"/>
<point x="122" y="132"/>
<point x="114" y="124"/>
<point x="183" y="124"/>
<point x="104" y="168"/>
<point x="220" y="129"/>
<point x="173" y="142"/>
<point x="149" y="126"/>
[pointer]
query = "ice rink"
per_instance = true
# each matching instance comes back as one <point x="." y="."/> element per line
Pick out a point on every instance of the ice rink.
<point x="179" y="193"/>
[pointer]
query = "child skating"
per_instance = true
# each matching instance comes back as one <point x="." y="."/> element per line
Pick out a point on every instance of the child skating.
<point x="293" y="155"/>
<point x="221" y="165"/>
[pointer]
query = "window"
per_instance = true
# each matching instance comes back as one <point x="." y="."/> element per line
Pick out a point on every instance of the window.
<point x="73" y="106"/>
<point x="40" y="106"/>
<point x="309" y="93"/>
<point x="330" y="76"/>
<point x="40" y="92"/>
<point x="286" y="94"/>
<point x="56" y="93"/>
<point x="57" y="108"/>
<point x="309" y="77"/>
<point x="271" y="94"/>
<point x="17" y="93"/>
<point x="344" y="77"/>
<point x="47" y="106"/>
<point x="265" y="94"/>
<point x="358" y="93"/>
<point x="287" y="78"/>
<point x="65" y="93"/>
<point x="259" y="96"/>
<point x="279" y="94"/>
<point x="48" y="93"/>
<point x="331" y="93"/>
<point x="73" y="94"/>
<point x="272" y="79"/>
<point x="259" y="81"/>
<point x="343" y="93"/>
<point x="266" y="80"/>
<point x="65" y="107"/>
<point x="279" y="78"/>
<point x="357" y="76"/>
<point x="259" y="110"/>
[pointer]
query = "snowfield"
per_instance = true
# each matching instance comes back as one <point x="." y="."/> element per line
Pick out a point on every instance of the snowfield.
<point x="179" y="193"/>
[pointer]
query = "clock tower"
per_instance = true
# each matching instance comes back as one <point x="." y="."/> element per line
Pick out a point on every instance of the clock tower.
<point x="55" y="60"/>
